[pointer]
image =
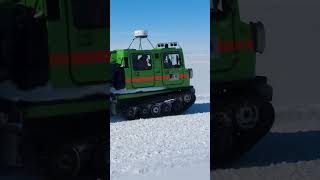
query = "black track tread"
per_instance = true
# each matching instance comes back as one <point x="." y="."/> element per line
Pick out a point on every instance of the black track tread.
<point x="150" y="100"/>
<point x="242" y="142"/>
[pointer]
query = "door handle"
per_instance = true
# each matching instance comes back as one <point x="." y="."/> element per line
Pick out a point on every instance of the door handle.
<point x="137" y="73"/>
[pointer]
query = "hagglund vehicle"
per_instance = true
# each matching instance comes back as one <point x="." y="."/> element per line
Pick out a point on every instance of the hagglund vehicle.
<point x="150" y="83"/>
<point x="242" y="112"/>
<point x="53" y="87"/>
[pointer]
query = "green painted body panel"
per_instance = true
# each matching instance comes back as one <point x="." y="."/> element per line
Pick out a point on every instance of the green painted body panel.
<point x="78" y="57"/>
<point x="66" y="38"/>
<point x="156" y="73"/>
<point x="231" y="65"/>
<point x="62" y="109"/>
<point x="144" y="94"/>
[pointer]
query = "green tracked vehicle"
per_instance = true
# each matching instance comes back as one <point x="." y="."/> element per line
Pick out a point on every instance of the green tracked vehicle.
<point x="150" y="83"/>
<point x="54" y="95"/>
<point x="242" y="112"/>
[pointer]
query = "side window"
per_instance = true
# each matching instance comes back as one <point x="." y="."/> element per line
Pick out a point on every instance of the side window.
<point x="172" y="61"/>
<point x="141" y="62"/>
<point x="221" y="8"/>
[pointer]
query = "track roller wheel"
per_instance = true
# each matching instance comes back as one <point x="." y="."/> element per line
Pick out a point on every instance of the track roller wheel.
<point x="131" y="113"/>
<point x="246" y="116"/>
<point x="177" y="107"/>
<point x="187" y="98"/>
<point x="247" y="139"/>
<point x="267" y="116"/>
<point x="145" y="111"/>
<point x="66" y="161"/>
<point x="166" y="108"/>
<point x="156" y="110"/>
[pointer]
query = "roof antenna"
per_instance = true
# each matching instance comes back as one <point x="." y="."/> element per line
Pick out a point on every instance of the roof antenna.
<point x="140" y="34"/>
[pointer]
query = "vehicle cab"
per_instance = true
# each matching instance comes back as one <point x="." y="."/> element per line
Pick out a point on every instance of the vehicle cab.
<point x="162" y="66"/>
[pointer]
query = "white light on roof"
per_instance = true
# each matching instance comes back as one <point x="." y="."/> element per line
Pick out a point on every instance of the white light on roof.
<point x="140" y="34"/>
<point x="168" y="45"/>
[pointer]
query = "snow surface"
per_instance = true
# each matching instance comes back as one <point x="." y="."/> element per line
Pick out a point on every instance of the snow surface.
<point x="171" y="148"/>
<point x="153" y="147"/>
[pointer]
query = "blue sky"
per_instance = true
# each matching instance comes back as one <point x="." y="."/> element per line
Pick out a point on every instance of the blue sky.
<point x="185" y="21"/>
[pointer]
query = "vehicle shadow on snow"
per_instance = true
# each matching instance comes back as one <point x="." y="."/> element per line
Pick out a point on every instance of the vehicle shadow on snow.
<point x="194" y="109"/>
<point x="282" y="147"/>
<point x="198" y="108"/>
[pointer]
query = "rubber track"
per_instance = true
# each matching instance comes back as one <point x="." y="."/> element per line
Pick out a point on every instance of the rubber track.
<point x="159" y="98"/>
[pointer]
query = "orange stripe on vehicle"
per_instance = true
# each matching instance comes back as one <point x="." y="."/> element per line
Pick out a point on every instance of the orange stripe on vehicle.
<point x="156" y="78"/>
<point x="183" y="76"/>
<point x="59" y="59"/>
<point x="230" y="46"/>
<point x="142" y="79"/>
<point x="167" y="77"/>
<point x="80" y="58"/>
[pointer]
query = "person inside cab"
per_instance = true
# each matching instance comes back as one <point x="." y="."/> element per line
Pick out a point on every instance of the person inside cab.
<point x="167" y="63"/>
<point x="142" y="63"/>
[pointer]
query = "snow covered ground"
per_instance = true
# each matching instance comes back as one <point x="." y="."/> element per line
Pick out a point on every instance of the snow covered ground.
<point x="160" y="146"/>
<point x="290" y="151"/>
<point x="171" y="148"/>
